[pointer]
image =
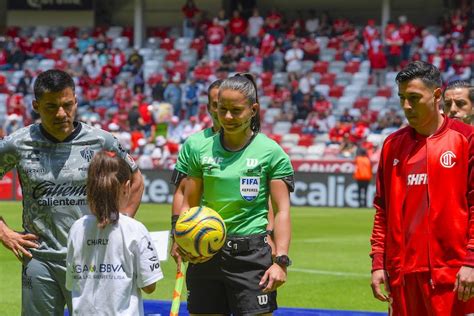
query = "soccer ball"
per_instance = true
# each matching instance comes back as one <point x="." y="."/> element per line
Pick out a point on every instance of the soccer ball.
<point x="200" y="231"/>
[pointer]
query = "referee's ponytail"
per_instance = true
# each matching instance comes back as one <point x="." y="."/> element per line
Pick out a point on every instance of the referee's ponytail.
<point x="245" y="84"/>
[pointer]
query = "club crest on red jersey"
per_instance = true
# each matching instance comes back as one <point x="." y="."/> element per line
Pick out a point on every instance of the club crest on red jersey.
<point x="249" y="187"/>
<point x="448" y="159"/>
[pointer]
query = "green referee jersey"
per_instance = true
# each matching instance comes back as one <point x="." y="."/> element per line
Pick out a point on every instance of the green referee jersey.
<point x="237" y="184"/>
<point x="193" y="141"/>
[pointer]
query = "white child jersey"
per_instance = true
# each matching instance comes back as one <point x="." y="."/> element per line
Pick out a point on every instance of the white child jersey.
<point x="107" y="267"/>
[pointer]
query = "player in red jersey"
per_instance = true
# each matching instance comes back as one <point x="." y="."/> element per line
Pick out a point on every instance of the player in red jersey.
<point x="422" y="240"/>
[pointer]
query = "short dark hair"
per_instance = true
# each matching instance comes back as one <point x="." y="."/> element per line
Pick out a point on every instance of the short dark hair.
<point x="429" y="74"/>
<point x="53" y="80"/>
<point x="461" y="84"/>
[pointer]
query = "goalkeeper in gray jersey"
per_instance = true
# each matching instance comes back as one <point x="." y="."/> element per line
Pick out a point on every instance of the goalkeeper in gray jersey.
<point x="52" y="160"/>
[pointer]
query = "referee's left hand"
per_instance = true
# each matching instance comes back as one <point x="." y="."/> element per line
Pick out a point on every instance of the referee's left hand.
<point x="465" y="283"/>
<point x="273" y="278"/>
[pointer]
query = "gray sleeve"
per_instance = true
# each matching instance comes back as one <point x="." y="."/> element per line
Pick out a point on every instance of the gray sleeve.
<point x="113" y="144"/>
<point x="8" y="155"/>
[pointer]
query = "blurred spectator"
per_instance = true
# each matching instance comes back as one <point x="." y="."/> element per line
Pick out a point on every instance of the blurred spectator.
<point x="191" y="95"/>
<point x="394" y="46"/>
<point x="134" y="118"/>
<point x="312" y="23"/>
<point x="307" y="83"/>
<point x="337" y="132"/>
<point x="293" y="58"/>
<point x="237" y="26"/>
<point x="347" y="148"/>
<point x="266" y="52"/>
<point x="4" y="62"/>
<point x="4" y="89"/>
<point x="73" y="58"/>
<point x="94" y="70"/>
<point x="118" y="58"/>
<point x="173" y="94"/>
<point x="325" y="25"/>
<point x="273" y="22"/>
<point x="146" y="121"/>
<point x="222" y="19"/>
<point x="321" y="104"/>
<point x="378" y="61"/>
<point x="354" y="51"/>
<point x="84" y="42"/>
<point x="158" y="90"/>
<point x="160" y="154"/>
<point x="106" y="94"/>
<point x="346" y="117"/>
<point x="25" y="85"/>
<point x="303" y="108"/>
<point x="370" y="33"/>
<point x="407" y="33"/>
<point x="458" y="70"/>
<point x="175" y="130"/>
<point x="255" y="24"/>
<point x="138" y="79"/>
<point x="16" y="58"/>
<point x="190" y="12"/>
<point x="430" y="43"/>
<point x="123" y="95"/>
<point x="89" y="56"/>
<point x="13" y="123"/>
<point x="191" y="127"/>
<point x="310" y="48"/>
<point x="363" y="175"/>
<point x="134" y="62"/>
<point x="101" y="43"/>
<point x="203" y="24"/>
<point x="215" y="38"/>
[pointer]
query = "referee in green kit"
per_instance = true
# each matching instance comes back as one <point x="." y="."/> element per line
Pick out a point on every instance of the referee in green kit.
<point x="234" y="172"/>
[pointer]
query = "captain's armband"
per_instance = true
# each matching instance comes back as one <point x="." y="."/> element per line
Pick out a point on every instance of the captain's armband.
<point x="290" y="182"/>
<point x="177" y="176"/>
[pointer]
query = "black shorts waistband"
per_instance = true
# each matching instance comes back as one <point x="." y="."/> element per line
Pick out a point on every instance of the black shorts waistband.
<point x="238" y="244"/>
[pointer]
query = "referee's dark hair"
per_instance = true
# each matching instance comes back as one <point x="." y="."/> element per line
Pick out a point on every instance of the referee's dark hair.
<point x="429" y="74"/>
<point x="215" y="85"/>
<point x="245" y="84"/>
<point x="462" y="84"/>
<point x="53" y="80"/>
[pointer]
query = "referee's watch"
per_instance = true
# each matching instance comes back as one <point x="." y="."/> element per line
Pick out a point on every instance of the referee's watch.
<point x="282" y="260"/>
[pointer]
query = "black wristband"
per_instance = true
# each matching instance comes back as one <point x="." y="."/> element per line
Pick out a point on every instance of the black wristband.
<point x="174" y="219"/>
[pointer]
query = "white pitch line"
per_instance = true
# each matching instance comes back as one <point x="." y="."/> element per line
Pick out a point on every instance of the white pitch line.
<point x="335" y="273"/>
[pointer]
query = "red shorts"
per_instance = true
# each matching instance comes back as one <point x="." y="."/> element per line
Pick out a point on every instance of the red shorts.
<point x="417" y="297"/>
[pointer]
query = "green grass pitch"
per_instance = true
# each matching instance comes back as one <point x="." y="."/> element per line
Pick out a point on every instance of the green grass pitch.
<point x="329" y="249"/>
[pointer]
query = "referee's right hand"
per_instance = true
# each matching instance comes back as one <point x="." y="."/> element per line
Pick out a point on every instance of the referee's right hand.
<point x="17" y="243"/>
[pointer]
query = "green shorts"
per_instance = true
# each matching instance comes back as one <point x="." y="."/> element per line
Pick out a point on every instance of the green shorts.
<point x="43" y="288"/>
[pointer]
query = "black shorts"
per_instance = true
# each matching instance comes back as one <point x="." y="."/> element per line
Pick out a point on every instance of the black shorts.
<point x="229" y="282"/>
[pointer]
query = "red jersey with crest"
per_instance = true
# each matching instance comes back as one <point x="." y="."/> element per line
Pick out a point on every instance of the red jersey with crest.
<point x="446" y="243"/>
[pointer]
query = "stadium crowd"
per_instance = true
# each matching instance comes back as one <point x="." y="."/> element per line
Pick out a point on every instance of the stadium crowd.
<point x="327" y="85"/>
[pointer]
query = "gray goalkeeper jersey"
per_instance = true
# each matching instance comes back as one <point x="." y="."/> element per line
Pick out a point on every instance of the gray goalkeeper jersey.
<point x="53" y="179"/>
